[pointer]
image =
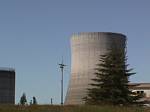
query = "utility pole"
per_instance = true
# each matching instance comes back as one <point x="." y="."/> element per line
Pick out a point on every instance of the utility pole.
<point x="62" y="70"/>
<point x="51" y="101"/>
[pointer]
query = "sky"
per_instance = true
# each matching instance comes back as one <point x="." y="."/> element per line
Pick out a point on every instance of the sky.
<point x="35" y="34"/>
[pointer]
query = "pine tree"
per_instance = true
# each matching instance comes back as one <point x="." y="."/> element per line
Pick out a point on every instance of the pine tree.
<point x="23" y="99"/>
<point x="111" y="83"/>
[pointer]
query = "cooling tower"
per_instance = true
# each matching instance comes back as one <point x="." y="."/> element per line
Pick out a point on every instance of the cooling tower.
<point x="7" y="86"/>
<point x="86" y="49"/>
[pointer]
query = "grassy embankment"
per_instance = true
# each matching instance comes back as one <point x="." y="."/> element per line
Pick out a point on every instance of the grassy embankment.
<point x="47" y="108"/>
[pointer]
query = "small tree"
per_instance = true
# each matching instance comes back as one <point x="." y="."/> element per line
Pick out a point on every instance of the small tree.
<point x="34" y="101"/>
<point x="111" y="83"/>
<point x="23" y="99"/>
<point x="30" y="102"/>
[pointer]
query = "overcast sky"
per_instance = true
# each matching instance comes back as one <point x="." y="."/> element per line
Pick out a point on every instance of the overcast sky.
<point x="35" y="34"/>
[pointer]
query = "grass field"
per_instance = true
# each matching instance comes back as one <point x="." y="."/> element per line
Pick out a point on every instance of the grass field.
<point x="47" y="108"/>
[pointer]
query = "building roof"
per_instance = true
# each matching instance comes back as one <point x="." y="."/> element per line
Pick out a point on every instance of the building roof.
<point x="7" y="69"/>
<point x="139" y="86"/>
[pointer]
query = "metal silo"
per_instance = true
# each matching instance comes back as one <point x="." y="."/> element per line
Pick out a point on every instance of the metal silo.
<point x="86" y="49"/>
<point x="7" y="86"/>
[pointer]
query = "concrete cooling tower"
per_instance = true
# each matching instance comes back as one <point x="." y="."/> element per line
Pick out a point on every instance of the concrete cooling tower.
<point x="86" y="50"/>
<point x="7" y="86"/>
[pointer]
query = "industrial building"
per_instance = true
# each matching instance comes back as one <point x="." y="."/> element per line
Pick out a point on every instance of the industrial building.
<point x="86" y="49"/>
<point x="141" y="88"/>
<point x="7" y="86"/>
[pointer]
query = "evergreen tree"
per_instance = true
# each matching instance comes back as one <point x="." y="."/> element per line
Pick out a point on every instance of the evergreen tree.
<point x="34" y="101"/>
<point x="111" y="83"/>
<point x="23" y="99"/>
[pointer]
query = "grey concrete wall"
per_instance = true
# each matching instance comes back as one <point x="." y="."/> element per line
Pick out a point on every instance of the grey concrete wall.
<point x="86" y="49"/>
<point x="7" y="87"/>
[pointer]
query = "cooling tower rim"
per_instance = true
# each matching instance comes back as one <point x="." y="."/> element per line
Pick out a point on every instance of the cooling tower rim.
<point x="84" y="33"/>
<point x="7" y="69"/>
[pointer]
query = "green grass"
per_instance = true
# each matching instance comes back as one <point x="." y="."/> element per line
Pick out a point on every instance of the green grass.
<point x="48" y="108"/>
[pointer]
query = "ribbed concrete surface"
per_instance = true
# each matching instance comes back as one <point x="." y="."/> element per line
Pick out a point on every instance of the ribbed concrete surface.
<point x="86" y="49"/>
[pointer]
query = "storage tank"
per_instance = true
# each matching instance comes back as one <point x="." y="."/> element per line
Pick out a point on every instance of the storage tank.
<point x="86" y="48"/>
<point x="7" y="86"/>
